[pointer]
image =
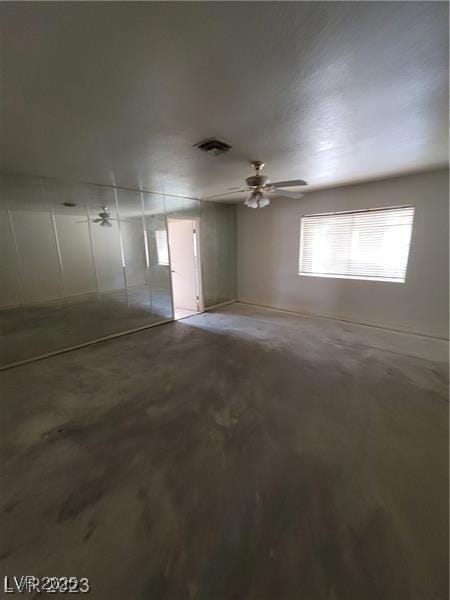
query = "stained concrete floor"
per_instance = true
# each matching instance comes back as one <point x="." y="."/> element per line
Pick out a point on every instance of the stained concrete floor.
<point x="244" y="454"/>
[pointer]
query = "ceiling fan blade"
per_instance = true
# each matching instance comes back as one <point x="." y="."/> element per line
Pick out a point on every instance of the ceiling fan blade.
<point x="105" y="224"/>
<point x="225" y="194"/>
<point x="98" y="220"/>
<point x="287" y="194"/>
<point x="291" y="183"/>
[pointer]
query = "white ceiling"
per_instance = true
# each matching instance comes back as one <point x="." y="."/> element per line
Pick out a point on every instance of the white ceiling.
<point x="117" y="93"/>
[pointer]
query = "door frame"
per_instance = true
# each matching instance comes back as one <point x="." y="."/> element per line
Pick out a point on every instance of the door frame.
<point x="197" y="262"/>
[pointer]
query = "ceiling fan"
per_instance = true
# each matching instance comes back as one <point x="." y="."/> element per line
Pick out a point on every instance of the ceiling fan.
<point x="260" y="187"/>
<point x="104" y="218"/>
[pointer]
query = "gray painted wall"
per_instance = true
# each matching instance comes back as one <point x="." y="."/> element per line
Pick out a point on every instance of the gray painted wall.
<point x="268" y="247"/>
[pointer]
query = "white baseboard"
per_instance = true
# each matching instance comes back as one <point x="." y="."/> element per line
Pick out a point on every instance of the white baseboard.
<point x="220" y="305"/>
<point x="346" y="320"/>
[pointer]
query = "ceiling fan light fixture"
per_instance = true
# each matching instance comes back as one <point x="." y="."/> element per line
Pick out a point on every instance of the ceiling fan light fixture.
<point x="263" y="200"/>
<point x="251" y="201"/>
<point x="257" y="200"/>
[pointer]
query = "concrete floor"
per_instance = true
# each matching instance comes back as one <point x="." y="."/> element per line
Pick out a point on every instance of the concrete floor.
<point x="244" y="454"/>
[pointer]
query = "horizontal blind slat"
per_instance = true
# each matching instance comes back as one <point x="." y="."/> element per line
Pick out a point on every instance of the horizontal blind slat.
<point x="366" y="244"/>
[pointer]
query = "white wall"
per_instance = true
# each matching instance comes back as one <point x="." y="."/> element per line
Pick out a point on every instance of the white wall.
<point x="268" y="247"/>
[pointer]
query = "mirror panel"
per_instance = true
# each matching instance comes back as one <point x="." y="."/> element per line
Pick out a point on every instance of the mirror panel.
<point x="77" y="265"/>
<point x="158" y="255"/>
<point x="80" y="262"/>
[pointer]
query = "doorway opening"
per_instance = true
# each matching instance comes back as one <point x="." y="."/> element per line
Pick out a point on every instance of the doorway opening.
<point x="185" y="268"/>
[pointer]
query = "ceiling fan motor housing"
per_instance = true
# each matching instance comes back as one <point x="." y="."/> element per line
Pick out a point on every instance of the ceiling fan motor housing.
<point x="256" y="180"/>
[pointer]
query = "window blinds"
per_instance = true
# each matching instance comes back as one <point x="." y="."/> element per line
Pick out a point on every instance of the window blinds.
<point x="370" y="244"/>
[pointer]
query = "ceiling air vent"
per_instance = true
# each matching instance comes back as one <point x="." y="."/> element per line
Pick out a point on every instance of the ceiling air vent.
<point x="213" y="146"/>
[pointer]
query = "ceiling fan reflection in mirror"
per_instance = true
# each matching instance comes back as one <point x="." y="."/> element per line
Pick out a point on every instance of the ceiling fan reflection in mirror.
<point x="259" y="187"/>
<point x="104" y="218"/>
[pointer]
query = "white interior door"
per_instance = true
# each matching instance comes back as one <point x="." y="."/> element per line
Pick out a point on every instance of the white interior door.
<point x="183" y="264"/>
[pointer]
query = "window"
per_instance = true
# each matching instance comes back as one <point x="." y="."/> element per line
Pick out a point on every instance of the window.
<point x="162" y="247"/>
<point x="366" y="244"/>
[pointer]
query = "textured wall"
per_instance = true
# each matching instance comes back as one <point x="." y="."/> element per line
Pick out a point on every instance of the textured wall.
<point x="268" y="244"/>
